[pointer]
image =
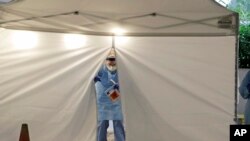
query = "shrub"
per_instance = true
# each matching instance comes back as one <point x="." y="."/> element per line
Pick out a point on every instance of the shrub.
<point x="244" y="46"/>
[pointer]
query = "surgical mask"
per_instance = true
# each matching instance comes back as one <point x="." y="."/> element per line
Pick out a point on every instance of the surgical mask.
<point x="111" y="68"/>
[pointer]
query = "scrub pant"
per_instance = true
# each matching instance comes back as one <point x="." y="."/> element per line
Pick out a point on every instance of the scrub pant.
<point x="118" y="130"/>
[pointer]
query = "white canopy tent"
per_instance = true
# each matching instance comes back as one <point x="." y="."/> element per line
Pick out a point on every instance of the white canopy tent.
<point x="177" y="70"/>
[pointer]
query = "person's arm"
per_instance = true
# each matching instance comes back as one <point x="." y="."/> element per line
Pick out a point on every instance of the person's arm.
<point x="98" y="76"/>
<point x="98" y="84"/>
<point x="245" y="86"/>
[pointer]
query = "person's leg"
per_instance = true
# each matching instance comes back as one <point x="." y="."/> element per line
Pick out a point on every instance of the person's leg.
<point x="119" y="130"/>
<point x="102" y="130"/>
<point x="247" y="112"/>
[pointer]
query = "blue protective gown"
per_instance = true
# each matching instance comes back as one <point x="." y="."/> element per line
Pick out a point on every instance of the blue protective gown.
<point x="107" y="110"/>
<point x="245" y="93"/>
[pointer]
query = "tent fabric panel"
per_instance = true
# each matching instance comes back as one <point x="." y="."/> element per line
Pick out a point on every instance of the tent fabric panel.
<point x="50" y="88"/>
<point x="177" y="88"/>
<point x="120" y="6"/>
<point x="100" y="17"/>
<point x="172" y="87"/>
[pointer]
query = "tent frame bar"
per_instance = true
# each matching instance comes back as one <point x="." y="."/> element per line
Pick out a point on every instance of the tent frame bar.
<point x="186" y="21"/>
<point x="44" y="20"/>
<point x="39" y="17"/>
<point x="82" y="29"/>
<point x="125" y="34"/>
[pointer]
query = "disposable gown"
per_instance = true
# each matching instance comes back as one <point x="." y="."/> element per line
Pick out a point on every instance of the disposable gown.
<point x="107" y="109"/>
<point x="245" y="93"/>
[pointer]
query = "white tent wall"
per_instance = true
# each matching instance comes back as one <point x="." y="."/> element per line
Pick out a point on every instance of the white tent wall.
<point x="173" y="88"/>
<point x="178" y="88"/>
<point x="50" y="88"/>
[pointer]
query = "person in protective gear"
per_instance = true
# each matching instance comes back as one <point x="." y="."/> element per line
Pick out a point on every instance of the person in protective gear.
<point x="245" y="93"/>
<point x="108" y="101"/>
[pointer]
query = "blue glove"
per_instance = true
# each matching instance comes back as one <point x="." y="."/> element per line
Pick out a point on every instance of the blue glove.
<point x="248" y="87"/>
<point x="116" y="86"/>
<point x="97" y="79"/>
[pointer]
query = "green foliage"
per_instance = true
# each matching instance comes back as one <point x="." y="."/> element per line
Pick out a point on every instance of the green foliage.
<point x="243" y="8"/>
<point x="244" y="46"/>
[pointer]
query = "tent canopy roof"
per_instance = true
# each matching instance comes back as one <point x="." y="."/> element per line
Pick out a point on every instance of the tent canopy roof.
<point x="136" y="17"/>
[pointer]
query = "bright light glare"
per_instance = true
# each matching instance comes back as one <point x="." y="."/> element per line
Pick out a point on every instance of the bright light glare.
<point x="121" y="40"/>
<point x="73" y="41"/>
<point x="223" y="2"/>
<point x="6" y="1"/>
<point x="118" y="31"/>
<point x="24" y="39"/>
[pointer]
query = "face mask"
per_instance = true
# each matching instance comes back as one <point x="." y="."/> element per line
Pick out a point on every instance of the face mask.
<point x="111" y="68"/>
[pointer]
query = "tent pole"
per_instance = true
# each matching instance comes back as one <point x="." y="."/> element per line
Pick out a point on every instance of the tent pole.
<point x="113" y="41"/>
<point x="236" y="68"/>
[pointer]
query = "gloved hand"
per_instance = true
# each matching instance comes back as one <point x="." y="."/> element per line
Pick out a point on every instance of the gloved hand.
<point x="97" y="79"/>
<point x="116" y="86"/>
<point x="248" y="87"/>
